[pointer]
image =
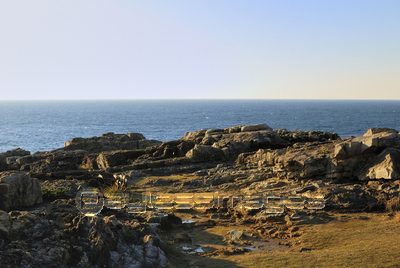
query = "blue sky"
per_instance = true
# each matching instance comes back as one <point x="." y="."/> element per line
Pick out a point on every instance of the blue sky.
<point x="209" y="49"/>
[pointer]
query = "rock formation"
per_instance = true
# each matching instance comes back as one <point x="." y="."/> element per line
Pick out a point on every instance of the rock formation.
<point x="18" y="189"/>
<point x="38" y="231"/>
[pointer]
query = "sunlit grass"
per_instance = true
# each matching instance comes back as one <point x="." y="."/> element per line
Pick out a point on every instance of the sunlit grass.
<point x="356" y="243"/>
<point x="146" y="179"/>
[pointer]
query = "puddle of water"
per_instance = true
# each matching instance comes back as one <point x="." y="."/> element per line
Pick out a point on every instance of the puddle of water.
<point x="188" y="221"/>
<point x="192" y="250"/>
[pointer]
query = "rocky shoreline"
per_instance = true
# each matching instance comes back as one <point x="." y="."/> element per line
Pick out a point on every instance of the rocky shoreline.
<point x="40" y="225"/>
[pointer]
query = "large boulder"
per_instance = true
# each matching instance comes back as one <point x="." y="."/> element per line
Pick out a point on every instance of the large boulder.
<point x="373" y="131"/>
<point x="117" y="158"/>
<point x="257" y="127"/>
<point x="171" y="149"/>
<point x="18" y="189"/>
<point x="205" y="153"/>
<point x="386" y="165"/>
<point x="366" y="144"/>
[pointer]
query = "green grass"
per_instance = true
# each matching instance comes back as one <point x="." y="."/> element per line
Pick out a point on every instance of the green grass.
<point x="49" y="194"/>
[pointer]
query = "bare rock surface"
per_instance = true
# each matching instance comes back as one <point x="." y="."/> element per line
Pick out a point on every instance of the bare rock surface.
<point x="386" y="166"/>
<point x="110" y="142"/>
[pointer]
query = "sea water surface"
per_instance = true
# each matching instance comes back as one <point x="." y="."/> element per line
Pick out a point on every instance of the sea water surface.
<point x="46" y="125"/>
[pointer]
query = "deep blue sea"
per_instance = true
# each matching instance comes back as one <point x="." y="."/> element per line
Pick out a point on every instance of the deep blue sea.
<point x="46" y="125"/>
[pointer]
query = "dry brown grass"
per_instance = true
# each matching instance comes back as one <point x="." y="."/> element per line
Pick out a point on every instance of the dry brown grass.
<point x="368" y="240"/>
<point x="145" y="179"/>
<point x="113" y="189"/>
<point x="396" y="217"/>
<point x="393" y="204"/>
<point x="356" y="243"/>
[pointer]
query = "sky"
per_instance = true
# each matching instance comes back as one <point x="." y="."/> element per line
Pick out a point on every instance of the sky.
<point x="208" y="49"/>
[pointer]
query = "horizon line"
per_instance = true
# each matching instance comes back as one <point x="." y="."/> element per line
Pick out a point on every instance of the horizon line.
<point x="189" y="99"/>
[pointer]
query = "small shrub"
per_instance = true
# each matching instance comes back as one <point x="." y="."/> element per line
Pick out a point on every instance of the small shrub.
<point x="113" y="190"/>
<point x="393" y="204"/>
<point x="324" y="152"/>
<point x="167" y="240"/>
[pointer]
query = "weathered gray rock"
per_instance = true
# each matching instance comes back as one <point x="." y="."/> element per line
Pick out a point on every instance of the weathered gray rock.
<point x="18" y="189"/>
<point x="386" y="165"/>
<point x="236" y="140"/>
<point x="52" y="161"/>
<point x="5" y="224"/>
<point x="373" y="131"/>
<point x="205" y="153"/>
<point x="236" y="234"/>
<point x="171" y="149"/>
<point x="194" y="136"/>
<point x="290" y="162"/>
<point x="8" y="159"/>
<point x="234" y="144"/>
<point x="235" y="129"/>
<point x="257" y="127"/>
<point x="366" y="144"/>
<point x="61" y="238"/>
<point x="117" y="158"/>
<point x="214" y="131"/>
<point x="306" y="136"/>
<point x="154" y="256"/>
<point x="110" y="142"/>
<point x="15" y="152"/>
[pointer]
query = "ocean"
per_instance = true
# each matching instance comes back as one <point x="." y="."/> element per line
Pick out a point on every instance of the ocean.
<point x="46" y="125"/>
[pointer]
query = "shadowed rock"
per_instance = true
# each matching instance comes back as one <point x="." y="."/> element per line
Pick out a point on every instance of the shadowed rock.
<point x="386" y="165"/>
<point x="18" y="189"/>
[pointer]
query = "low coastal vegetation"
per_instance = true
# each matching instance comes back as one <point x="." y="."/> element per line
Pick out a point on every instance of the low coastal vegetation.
<point x="53" y="194"/>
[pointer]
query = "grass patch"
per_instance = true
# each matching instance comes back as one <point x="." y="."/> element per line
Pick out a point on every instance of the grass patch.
<point x="113" y="190"/>
<point x="396" y="217"/>
<point x="354" y="243"/>
<point x="393" y="204"/>
<point x="146" y="179"/>
<point x="49" y="194"/>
